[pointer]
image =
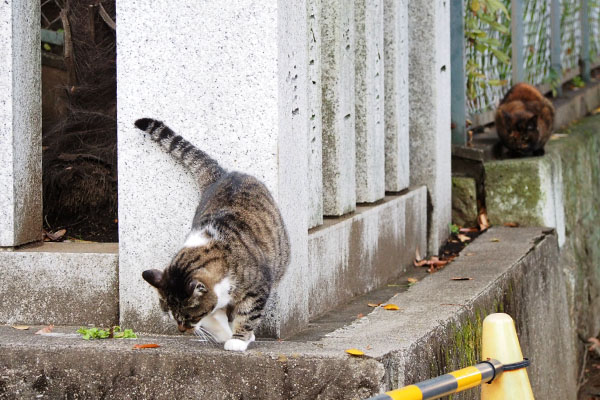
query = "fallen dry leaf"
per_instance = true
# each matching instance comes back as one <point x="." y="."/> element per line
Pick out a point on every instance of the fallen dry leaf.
<point x="373" y="304"/>
<point x="355" y="352"/>
<point x="412" y="280"/>
<point x="282" y="358"/>
<point x="596" y="111"/>
<point x="420" y="263"/>
<point x="495" y="240"/>
<point x="46" y="329"/>
<point x="21" y="327"/>
<point x="359" y="316"/>
<point x="468" y="230"/>
<point x="595" y="345"/>
<point x="391" y="307"/>
<point x="463" y="238"/>
<point x="470" y="254"/>
<point x="369" y="347"/>
<point x="511" y="224"/>
<point x="461" y="279"/>
<point x="482" y="219"/>
<point x="54" y="236"/>
<point x="146" y="346"/>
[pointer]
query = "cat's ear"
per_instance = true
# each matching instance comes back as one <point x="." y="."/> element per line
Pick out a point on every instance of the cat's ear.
<point x="196" y="288"/>
<point x="153" y="277"/>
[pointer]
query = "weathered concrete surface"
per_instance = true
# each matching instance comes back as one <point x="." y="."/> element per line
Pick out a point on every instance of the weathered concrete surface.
<point x="576" y="104"/>
<point x="235" y="85"/>
<point x="315" y="119"/>
<point x="338" y="107"/>
<point x="20" y="123"/>
<point x="464" y="201"/>
<point x="397" y="148"/>
<point x="527" y="191"/>
<point x="430" y="125"/>
<point x="436" y="330"/>
<point x="60" y="283"/>
<point x="365" y="251"/>
<point x="580" y="255"/>
<point x="370" y="112"/>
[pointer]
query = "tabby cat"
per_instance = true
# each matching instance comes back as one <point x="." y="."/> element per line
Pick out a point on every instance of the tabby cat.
<point x="524" y="120"/>
<point x="237" y="250"/>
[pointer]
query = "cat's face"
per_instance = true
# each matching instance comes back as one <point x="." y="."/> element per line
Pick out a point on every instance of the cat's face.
<point x="182" y="294"/>
<point x="522" y="130"/>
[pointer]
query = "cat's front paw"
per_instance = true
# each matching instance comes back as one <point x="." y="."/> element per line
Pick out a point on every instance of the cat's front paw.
<point x="236" y="345"/>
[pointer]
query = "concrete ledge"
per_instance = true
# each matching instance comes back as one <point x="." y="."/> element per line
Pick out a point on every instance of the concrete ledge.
<point x="436" y="330"/>
<point x="60" y="283"/>
<point x="350" y="256"/>
<point x="528" y="191"/>
<point x="365" y="251"/>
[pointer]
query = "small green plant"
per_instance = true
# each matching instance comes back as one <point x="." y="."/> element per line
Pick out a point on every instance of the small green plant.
<point x="454" y="229"/>
<point x="578" y="82"/>
<point x="553" y="79"/>
<point x="98" y="333"/>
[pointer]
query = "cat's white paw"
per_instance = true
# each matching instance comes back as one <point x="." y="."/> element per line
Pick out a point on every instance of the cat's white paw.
<point x="236" y="345"/>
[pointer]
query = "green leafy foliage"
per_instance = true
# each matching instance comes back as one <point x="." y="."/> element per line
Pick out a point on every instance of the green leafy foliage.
<point x="97" y="333"/>
<point x="487" y="30"/>
<point x="454" y="229"/>
<point x="578" y="82"/>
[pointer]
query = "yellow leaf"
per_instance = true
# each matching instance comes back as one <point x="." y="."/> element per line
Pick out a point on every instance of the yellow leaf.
<point x="373" y="304"/>
<point x="282" y="358"/>
<point x="21" y="327"/>
<point x="412" y="280"/>
<point x="495" y="240"/>
<point x="355" y="352"/>
<point x="392" y="307"/>
<point x="475" y="5"/>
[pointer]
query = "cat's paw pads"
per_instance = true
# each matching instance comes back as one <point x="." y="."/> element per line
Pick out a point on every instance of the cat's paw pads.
<point x="236" y="345"/>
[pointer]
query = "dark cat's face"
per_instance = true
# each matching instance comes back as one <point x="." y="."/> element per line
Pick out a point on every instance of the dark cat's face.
<point x="521" y="131"/>
<point x="186" y="299"/>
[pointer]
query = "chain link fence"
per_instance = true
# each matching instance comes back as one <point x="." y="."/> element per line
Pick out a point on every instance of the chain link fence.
<point x="536" y="27"/>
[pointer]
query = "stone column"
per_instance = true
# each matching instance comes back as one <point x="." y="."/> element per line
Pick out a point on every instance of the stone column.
<point x="315" y="119"/>
<point x="231" y="78"/>
<point x="337" y="64"/>
<point x="430" y="130"/>
<point x="20" y="123"/>
<point x="370" y="132"/>
<point x="397" y="151"/>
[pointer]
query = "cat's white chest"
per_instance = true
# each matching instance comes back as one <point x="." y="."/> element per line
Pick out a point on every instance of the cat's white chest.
<point x="223" y="291"/>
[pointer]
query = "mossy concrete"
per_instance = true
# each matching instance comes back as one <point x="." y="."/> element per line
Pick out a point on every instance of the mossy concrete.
<point x="436" y="330"/>
<point x="579" y="152"/>
<point x="527" y="191"/>
<point x="464" y="201"/>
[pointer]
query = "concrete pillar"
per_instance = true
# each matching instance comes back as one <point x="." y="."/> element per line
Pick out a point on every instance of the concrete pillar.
<point x="338" y="113"/>
<point x="397" y="149"/>
<point x="315" y="120"/>
<point x="430" y="130"/>
<point x="370" y="132"/>
<point x="20" y="123"/>
<point x="234" y="85"/>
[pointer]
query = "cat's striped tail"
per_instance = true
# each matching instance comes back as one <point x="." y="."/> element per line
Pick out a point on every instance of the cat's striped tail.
<point x="206" y="169"/>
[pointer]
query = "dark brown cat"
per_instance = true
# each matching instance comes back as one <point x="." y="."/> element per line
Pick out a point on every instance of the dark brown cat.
<point x="524" y="120"/>
<point x="237" y="250"/>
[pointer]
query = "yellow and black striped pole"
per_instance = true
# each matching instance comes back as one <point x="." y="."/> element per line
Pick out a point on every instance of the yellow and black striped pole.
<point x="444" y="385"/>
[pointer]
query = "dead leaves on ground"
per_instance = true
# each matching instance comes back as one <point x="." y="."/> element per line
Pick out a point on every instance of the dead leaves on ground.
<point x="387" y="306"/>
<point x="355" y="352"/>
<point x="54" y="236"/>
<point x="20" y="327"/>
<point x="482" y="220"/>
<point x="146" y="346"/>
<point x="44" y="330"/>
<point x="433" y="263"/>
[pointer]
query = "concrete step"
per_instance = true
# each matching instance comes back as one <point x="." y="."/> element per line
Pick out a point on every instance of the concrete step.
<point x="437" y="329"/>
